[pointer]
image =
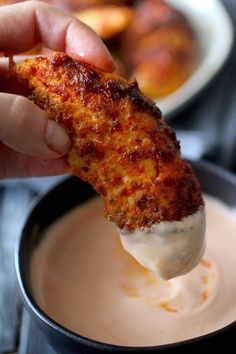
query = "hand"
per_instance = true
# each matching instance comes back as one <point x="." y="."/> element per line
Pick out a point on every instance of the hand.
<point x="30" y="143"/>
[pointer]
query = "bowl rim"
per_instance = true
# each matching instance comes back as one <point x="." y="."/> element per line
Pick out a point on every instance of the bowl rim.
<point x="45" y="319"/>
<point x="214" y="53"/>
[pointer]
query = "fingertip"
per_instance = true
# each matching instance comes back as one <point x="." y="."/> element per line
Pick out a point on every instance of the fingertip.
<point x="103" y="63"/>
<point x="26" y="128"/>
<point x="56" y="138"/>
<point x="82" y="43"/>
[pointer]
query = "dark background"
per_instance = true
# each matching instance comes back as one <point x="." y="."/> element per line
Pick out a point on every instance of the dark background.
<point x="211" y="118"/>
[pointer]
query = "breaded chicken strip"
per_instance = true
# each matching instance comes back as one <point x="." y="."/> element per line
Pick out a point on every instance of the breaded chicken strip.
<point x="120" y="143"/>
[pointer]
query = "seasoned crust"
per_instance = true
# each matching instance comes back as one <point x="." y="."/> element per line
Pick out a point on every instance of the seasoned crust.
<point x="120" y="142"/>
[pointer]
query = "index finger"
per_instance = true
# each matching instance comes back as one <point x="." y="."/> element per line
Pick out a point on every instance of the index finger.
<point x="24" y="25"/>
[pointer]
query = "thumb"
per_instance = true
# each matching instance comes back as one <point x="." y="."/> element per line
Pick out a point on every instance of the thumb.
<point x="26" y="128"/>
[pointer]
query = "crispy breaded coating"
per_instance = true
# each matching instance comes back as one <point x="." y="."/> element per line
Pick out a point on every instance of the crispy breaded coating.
<point x="120" y="143"/>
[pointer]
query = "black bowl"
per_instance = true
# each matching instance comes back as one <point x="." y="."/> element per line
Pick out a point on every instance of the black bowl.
<point x="55" y="203"/>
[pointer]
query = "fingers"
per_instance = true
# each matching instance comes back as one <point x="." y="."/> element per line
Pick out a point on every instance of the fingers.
<point x="24" y="25"/>
<point x="14" y="164"/>
<point x="26" y="128"/>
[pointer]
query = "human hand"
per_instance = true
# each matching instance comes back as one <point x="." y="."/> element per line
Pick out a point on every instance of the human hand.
<point x="30" y="143"/>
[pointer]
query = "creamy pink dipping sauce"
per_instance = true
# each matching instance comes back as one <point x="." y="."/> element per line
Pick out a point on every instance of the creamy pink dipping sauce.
<point x="84" y="279"/>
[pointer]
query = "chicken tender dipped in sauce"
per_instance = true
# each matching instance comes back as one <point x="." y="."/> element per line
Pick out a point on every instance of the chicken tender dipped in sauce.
<point x="124" y="148"/>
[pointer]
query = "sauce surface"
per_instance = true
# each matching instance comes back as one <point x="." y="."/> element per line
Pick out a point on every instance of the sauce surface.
<point x="83" y="278"/>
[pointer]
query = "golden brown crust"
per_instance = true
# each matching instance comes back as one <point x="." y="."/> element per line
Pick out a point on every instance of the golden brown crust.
<point x="120" y="142"/>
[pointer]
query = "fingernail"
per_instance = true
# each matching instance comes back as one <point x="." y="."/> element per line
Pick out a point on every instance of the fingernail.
<point x="104" y="64"/>
<point x="56" y="139"/>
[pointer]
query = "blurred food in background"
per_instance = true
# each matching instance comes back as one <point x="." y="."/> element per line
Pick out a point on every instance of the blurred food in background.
<point x="150" y="40"/>
<point x="89" y="3"/>
<point x="108" y="20"/>
<point x="159" y="48"/>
